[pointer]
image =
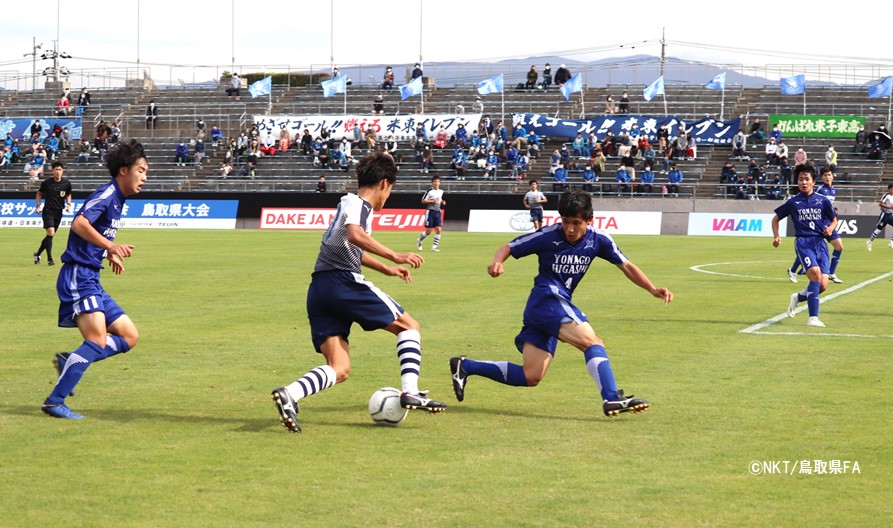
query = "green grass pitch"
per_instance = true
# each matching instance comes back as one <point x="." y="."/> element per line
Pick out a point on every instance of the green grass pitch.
<point x="182" y="430"/>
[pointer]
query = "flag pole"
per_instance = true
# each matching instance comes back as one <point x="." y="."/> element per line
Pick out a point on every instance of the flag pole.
<point x="582" y="103"/>
<point x="889" y="106"/>
<point x="665" y="102"/>
<point x="422" y="94"/>
<point x="722" y="103"/>
<point x="345" y="100"/>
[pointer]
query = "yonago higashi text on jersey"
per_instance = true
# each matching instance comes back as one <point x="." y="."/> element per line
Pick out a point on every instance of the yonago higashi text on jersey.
<point x="810" y="214"/>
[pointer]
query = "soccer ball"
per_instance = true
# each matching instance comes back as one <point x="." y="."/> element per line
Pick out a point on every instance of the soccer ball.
<point x="384" y="407"/>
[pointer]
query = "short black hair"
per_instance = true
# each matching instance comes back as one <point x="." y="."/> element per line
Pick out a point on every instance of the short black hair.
<point x="807" y="167"/>
<point x="575" y="202"/>
<point x="531" y="182"/>
<point x="57" y="163"/>
<point x="376" y="167"/>
<point x="124" y="155"/>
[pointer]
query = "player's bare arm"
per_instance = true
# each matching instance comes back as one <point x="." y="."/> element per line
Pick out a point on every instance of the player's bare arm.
<point x="776" y="240"/>
<point x="496" y="267"/>
<point x="82" y="227"/>
<point x="638" y="277"/>
<point x="358" y="237"/>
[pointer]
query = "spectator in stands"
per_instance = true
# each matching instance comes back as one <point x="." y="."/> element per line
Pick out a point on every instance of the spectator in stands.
<point x="387" y="82"/>
<point x="800" y="157"/>
<point x="731" y="179"/>
<point x="181" y="154"/>
<point x="390" y="147"/>
<point x="253" y="153"/>
<point x="321" y="185"/>
<point x="226" y="168"/>
<point x="306" y="143"/>
<point x="5" y="159"/>
<point x="562" y="75"/>
<point x="284" y="138"/>
<point x="83" y="101"/>
<point x="680" y="146"/>
<point x="533" y="145"/>
<point x="461" y="136"/>
<point x="565" y="157"/>
<point x="200" y="125"/>
<point x="84" y="152"/>
<point x="647" y="180"/>
<point x="198" y="152"/>
<point x="151" y="115"/>
<point x="16" y="155"/>
<point x="609" y="105"/>
<point x="491" y="165"/>
<point x="38" y="162"/>
<point x="578" y="145"/>
<point x="775" y="134"/>
<point x="323" y="157"/>
<point x="441" y="138"/>
<point x="235" y="87"/>
<point x="268" y="145"/>
<point x="547" y="76"/>
<point x="36" y="128"/>
<point x="416" y="71"/>
<point x="216" y="134"/>
<point x="663" y="138"/>
<point x="460" y="109"/>
<point x="519" y="136"/>
<point x="775" y="189"/>
<point x="861" y="144"/>
<point x="785" y="171"/>
<point x="371" y="139"/>
<point x="647" y="151"/>
<point x="674" y="178"/>
<point x="426" y="161"/>
<point x="771" y="152"/>
<point x="52" y="147"/>
<point x="624" y="103"/>
<point x="249" y="170"/>
<point x="739" y="145"/>
<point x="782" y="151"/>
<point x="521" y="165"/>
<point x="114" y="133"/>
<point x="460" y="164"/>
<point x="421" y="136"/>
<point x="588" y="178"/>
<point x="347" y="149"/>
<point x="101" y="139"/>
<point x="532" y="76"/>
<point x="63" y="105"/>
<point x="338" y="159"/>
<point x="756" y="131"/>
<point x="478" y="106"/>
<point x="626" y="160"/>
<point x="597" y="160"/>
<point x="831" y="158"/>
<point x="378" y="104"/>
<point x="623" y="180"/>
<point x="559" y="179"/>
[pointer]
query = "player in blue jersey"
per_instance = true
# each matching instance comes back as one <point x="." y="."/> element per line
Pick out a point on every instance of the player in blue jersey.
<point x="814" y="219"/>
<point x="339" y="296"/>
<point x="565" y="251"/>
<point x="83" y="302"/>
<point x="828" y="190"/>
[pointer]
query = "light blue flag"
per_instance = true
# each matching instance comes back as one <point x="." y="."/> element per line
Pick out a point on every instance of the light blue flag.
<point x="334" y="86"/>
<point x="261" y="87"/>
<point x="491" y="85"/>
<point x="654" y="89"/>
<point x="717" y="83"/>
<point x="793" y="85"/>
<point x="571" y="86"/>
<point x="882" y="89"/>
<point x="414" y="87"/>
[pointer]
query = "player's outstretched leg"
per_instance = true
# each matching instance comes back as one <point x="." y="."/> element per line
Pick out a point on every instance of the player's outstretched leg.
<point x="422" y="402"/>
<point x="73" y="370"/>
<point x="59" y="361"/>
<point x="624" y="404"/>
<point x="288" y="409"/>
<point x="459" y="377"/>
<point x="286" y="398"/>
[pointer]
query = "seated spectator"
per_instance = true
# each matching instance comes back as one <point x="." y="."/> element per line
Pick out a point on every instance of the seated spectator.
<point x="5" y="159"/>
<point x="440" y="140"/>
<point x="388" y="81"/>
<point x="647" y="180"/>
<point x="216" y="134"/>
<point x="460" y="164"/>
<point x="421" y="136"/>
<point x="63" y="106"/>
<point x="756" y="131"/>
<point x="626" y="159"/>
<point x="461" y="136"/>
<point x="249" y="169"/>
<point x="371" y="139"/>
<point x="478" y="106"/>
<point x="83" y="102"/>
<point x="520" y="166"/>
<point x="831" y="158"/>
<point x="519" y="136"/>
<point x="323" y="157"/>
<point x="623" y="180"/>
<point x="181" y="155"/>
<point x="490" y="167"/>
<point x="390" y="147"/>
<point x="739" y="145"/>
<point x="235" y="87"/>
<point x="559" y="179"/>
<point x="775" y="134"/>
<point x="533" y="145"/>
<point x="426" y="161"/>
<point x="775" y="189"/>
<point x="198" y="152"/>
<point x="84" y="152"/>
<point x="268" y="146"/>
<point x="861" y="144"/>
<point x="589" y="178"/>
<point x="38" y="160"/>
<point x="114" y="133"/>
<point x="52" y="147"/>
<point x="771" y="152"/>
<point x="151" y="115"/>
<point x="674" y="178"/>
<point x="378" y="104"/>
<point x="321" y="185"/>
<point x="226" y="168"/>
<point x="532" y="76"/>
<point x="579" y="145"/>
<point x="284" y="138"/>
<point x="565" y="157"/>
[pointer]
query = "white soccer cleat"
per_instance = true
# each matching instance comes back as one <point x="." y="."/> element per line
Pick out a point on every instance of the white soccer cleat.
<point x="792" y="276"/>
<point x="891" y="244"/>
<point x="868" y="244"/>
<point x="419" y="246"/>
<point x="792" y="305"/>
<point x="814" y="321"/>
<point x="833" y="278"/>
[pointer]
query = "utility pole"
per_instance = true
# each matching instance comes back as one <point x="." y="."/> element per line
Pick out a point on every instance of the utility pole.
<point x="663" y="53"/>
<point x="34" y="47"/>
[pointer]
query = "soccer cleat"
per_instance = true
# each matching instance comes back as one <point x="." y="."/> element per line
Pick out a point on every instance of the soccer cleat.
<point x="792" y="305"/>
<point x="59" y="361"/>
<point x="61" y="411"/>
<point x="833" y="278"/>
<point x="421" y="401"/>
<point x="624" y="404"/>
<point x="288" y="409"/>
<point x="868" y="244"/>
<point x="814" y="321"/>
<point x="891" y="244"/>
<point x="792" y="276"/>
<point x="435" y="250"/>
<point x="419" y="246"/>
<point x="460" y="378"/>
<point x="51" y="262"/>
<point x="36" y="258"/>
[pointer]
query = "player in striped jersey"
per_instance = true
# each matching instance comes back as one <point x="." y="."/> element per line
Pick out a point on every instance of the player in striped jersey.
<point x="829" y="191"/>
<point x="83" y="302"/>
<point x="433" y="201"/>
<point x="885" y="219"/>
<point x="339" y="295"/>
<point x="565" y="251"/>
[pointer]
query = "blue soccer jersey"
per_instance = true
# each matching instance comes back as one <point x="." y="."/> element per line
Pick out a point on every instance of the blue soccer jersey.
<point x="827" y="191"/>
<point x="103" y="209"/>
<point x="810" y="214"/>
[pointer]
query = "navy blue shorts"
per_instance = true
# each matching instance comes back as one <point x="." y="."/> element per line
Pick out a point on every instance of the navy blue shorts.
<point x="52" y="219"/>
<point x="80" y="292"/>
<point x="433" y="219"/>
<point x="337" y="299"/>
<point x="536" y="214"/>
<point x="813" y="252"/>
<point x="547" y="309"/>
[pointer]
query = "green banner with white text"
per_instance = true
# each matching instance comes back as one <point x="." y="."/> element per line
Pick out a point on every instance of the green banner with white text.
<point x="817" y="125"/>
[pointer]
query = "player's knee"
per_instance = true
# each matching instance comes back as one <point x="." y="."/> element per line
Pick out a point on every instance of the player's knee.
<point x="534" y="380"/>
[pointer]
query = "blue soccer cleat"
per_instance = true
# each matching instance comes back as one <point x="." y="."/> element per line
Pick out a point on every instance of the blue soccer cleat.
<point x="61" y="411"/>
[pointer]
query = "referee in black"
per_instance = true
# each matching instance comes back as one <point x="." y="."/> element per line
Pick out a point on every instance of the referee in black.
<point x="56" y="191"/>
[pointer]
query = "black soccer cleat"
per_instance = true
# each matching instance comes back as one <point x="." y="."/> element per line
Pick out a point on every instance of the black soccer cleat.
<point x="59" y="361"/>
<point x="460" y="378"/>
<point x="51" y="262"/>
<point x="36" y="258"/>
<point x="288" y="409"/>
<point x="421" y="401"/>
<point x="624" y="404"/>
